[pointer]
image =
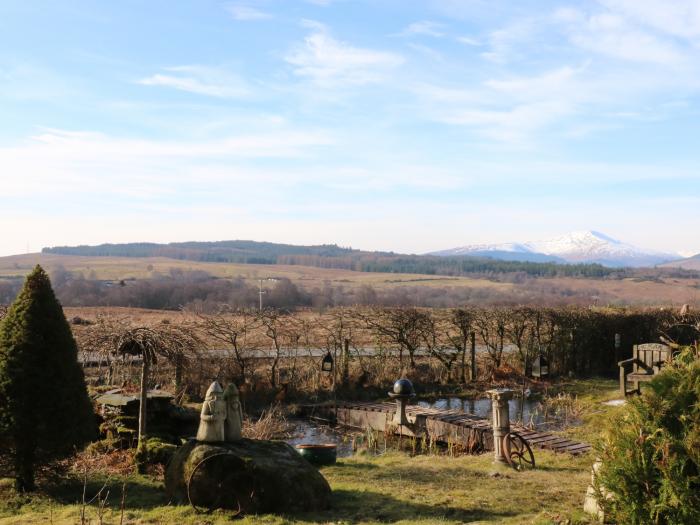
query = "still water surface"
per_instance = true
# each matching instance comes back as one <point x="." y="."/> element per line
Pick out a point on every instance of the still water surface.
<point x="526" y="411"/>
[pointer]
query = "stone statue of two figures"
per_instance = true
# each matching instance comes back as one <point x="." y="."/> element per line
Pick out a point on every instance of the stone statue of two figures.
<point x="221" y="418"/>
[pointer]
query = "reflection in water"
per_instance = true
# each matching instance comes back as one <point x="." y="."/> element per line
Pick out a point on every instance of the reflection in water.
<point x="529" y="412"/>
<point x="310" y="432"/>
<point x="525" y="411"/>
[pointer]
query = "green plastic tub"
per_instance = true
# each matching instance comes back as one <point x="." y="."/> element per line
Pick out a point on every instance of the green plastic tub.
<point x="323" y="454"/>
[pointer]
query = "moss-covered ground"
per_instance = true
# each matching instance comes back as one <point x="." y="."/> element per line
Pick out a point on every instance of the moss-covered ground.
<point x="389" y="488"/>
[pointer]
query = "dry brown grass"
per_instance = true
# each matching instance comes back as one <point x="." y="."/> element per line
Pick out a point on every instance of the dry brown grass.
<point x="114" y="268"/>
<point x="272" y="424"/>
<point x="627" y="291"/>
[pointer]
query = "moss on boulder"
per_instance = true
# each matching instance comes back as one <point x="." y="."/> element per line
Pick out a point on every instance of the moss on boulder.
<point x="256" y="476"/>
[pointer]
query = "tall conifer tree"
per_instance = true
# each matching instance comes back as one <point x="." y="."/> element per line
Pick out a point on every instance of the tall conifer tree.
<point x="45" y="411"/>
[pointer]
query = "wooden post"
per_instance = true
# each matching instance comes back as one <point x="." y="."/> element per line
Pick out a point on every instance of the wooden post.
<point x="623" y="381"/>
<point x="473" y="357"/>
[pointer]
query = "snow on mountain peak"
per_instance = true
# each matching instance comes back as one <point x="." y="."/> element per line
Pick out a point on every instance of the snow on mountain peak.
<point x="577" y="246"/>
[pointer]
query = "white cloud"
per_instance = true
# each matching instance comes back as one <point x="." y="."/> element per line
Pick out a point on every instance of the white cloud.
<point x="87" y="161"/>
<point x="680" y="18"/>
<point x="246" y="12"/>
<point x="512" y="40"/>
<point x="201" y="80"/>
<point x="427" y="51"/>
<point x="515" y="125"/>
<point x="469" y="41"/>
<point x="424" y="27"/>
<point x="561" y="82"/>
<point x="26" y="81"/>
<point x="330" y="62"/>
<point x="613" y="35"/>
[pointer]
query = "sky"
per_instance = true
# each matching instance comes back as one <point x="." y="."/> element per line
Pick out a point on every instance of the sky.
<point x="378" y="124"/>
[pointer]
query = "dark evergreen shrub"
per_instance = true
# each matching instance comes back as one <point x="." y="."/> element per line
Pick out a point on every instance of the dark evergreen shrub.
<point x="651" y="452"/>
<point x="45" y="412"/>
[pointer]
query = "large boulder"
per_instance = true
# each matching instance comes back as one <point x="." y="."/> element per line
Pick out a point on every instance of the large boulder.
<point x="255" y="476"/>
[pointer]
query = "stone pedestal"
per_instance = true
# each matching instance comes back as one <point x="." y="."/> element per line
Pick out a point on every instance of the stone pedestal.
<point x="400" y="415"/>
<point x="501" y="420"/>
<point x="402" y="392"/>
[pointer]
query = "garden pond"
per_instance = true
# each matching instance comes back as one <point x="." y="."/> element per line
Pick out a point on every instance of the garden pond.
<point x="530" y="412"/>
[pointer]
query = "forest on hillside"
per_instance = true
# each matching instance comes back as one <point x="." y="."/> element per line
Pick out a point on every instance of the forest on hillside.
<point x="332" y="256"/>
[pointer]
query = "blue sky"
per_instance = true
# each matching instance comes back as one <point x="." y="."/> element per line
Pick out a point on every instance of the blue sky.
<point x="402" y="125"/>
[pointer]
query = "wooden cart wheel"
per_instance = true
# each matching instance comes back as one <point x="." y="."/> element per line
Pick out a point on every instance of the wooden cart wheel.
<point x="517" y="452"/>
<point x="223" y="493"/>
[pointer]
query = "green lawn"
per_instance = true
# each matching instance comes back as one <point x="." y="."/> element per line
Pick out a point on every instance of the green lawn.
<point x="392" y="488"/>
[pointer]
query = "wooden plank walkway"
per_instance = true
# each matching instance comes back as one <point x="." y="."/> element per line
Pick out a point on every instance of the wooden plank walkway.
<point x="446" y="425"/>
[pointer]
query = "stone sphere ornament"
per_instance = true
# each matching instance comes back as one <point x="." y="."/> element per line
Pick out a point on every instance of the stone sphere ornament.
<point x="402" y="392"/>
<point x="403" y="387"/>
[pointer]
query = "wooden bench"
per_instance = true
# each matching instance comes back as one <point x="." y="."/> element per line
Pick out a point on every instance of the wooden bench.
<point x="647" y="360"/>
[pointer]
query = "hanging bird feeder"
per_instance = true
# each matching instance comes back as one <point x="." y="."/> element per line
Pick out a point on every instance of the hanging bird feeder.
<point x="327" y="363"/>
<point x="540" y="367"/>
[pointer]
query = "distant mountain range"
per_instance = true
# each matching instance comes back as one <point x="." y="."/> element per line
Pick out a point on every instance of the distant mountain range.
<point x="589" y="253"/>
<point x="574" y="247"/>
<point x="332" y="256"/>
<point x="690" y="263"/>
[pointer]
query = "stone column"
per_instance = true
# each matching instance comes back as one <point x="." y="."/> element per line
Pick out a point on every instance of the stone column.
<point x="501" y="420"/>
<point x="400" y="415"/>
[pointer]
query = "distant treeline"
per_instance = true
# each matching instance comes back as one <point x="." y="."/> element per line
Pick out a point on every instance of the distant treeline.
<point x="332" y="256"/>
<point x="242" y="252"/>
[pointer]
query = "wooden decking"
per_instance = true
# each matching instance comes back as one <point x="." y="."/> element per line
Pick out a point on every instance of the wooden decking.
<point x="472" y="433"/>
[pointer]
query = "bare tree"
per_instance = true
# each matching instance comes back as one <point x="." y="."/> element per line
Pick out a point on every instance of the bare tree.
<point x="234" y="328"/>
<point x="457" y="328"/>
<point x="437" y="342"/>
<point x="491" y="326"/>
<point x="280" y="332"/>
<point x="338" y="332"/>
<point x="519" y="332"/>
<point x="399" y="327"/>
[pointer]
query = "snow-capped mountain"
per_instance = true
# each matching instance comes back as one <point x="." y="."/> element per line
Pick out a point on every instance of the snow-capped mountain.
<point x="574" y="247"/>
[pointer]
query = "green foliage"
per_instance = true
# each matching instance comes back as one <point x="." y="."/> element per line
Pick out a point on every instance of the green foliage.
<point x="155" y="451"/>
<point x="45" y="411"/>
<point x="651" y="453"/>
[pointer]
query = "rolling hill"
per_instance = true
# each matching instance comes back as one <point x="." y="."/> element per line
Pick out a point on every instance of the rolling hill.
<point x="691" y="263"/>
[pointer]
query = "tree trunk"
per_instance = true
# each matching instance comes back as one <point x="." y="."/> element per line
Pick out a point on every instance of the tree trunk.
<point x="24" y="468"/>
<point x="346" y="362"/>
<point x="143" y="402"/>
<point x="473" y="357"/>
<point x="178" y="373"/>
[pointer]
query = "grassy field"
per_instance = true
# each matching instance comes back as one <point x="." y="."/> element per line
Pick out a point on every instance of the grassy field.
<point x="633" y="291"/>
<point x="113" y="268"/>
<point x="390" y="488"/>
